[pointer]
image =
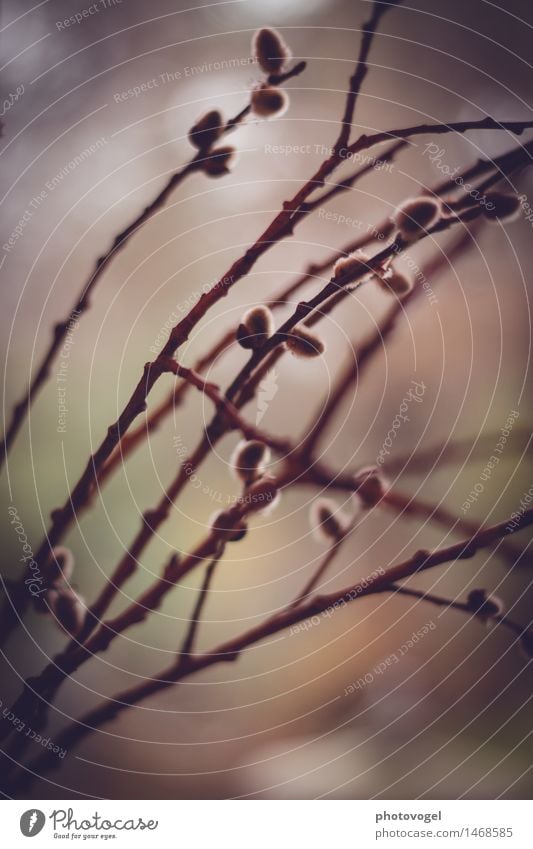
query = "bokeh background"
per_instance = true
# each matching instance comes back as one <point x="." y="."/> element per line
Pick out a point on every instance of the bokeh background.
<point x="452" y="718"/>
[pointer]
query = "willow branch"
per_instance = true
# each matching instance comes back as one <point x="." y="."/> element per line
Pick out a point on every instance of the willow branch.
<point x="230" y="650"/>
<point x="361" y="69"/>
<point x="120" y="241"/>
<point x="282" y="225"/>
<point x="406" y="505"/>
<point x="187" y="645"/>
<point x="440" y="601"/>
<point x="321" y="570"/>
<point x="365" y="142"/>
<point x="213" y="432"/>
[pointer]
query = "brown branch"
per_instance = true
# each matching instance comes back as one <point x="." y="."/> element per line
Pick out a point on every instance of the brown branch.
<point x="230" y="650"/>
<point x="320" y="571"/>
<point x="187" y="645"/>
<point x="281" y="226"/>
<point x="365" y="142"/>
<point x="503" y="166"/>
<point x="152" y="519"/>
<point x="407" y="505"/>
<point x="38" y="691"/>
<point x="175" y="398"/>
<point x="440" y="601"/>
<point x="348" y="182"/>
<point x="361" y="69"/>
<point x="119" y="243"/>
<point x="228" y="417"/>
<point x="334" y="287"/>
<point x="332" y="298"/>
<point x="224" y="405"/>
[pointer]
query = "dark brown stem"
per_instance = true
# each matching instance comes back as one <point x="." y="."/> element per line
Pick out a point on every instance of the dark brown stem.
<point x="119" y="243"/>
<point x="154" y="518"/>
<point x="367" y="141"/>
<point x="229" y="651"/>
<point x="358" y="77"/>
<point x="282" y="225"/>
<point x="406" y="505"/>
<point x="187" y="645"/>
<point x="319" y="572"/>
<point x="440" y="601"/>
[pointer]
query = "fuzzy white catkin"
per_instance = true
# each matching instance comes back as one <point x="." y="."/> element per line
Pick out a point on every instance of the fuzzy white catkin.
<point x="68" y="608"/>
<point x="220" y="161"/>
<point x="60" y="565"/>
<point x="270" y="50"/>
<point x="303" y="343"/>
<point x="395" y="283"/>
<point x="415" y="217"/>
<point x="486" y="607"/>
<point x="327" y="521"/>
<point x="249" y="459"/>
<point x="502" y="207"/>
<point x="257" y="325"/>
<point x="269" y="102"/>
<point x="371" y="486"/>
<point x="207" y="129"/>
<point x="353" y="267"/>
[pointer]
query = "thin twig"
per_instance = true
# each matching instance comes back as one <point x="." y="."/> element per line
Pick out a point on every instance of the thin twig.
<point x="187" y="645"/>
<point x="281" y="226"/>
<point x="365" y="142"/>
<point x="361" y="69"/>
<point x="120" y="241"/>
<point x="440" y="601"/>
<point x="407" y="505"/>
<point x="230" y="650"/>
<point x="320" y="571"/>
<point x="153" y="519"/>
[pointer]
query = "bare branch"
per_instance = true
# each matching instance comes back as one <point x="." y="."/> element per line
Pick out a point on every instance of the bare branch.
<point x="230" y="650"/>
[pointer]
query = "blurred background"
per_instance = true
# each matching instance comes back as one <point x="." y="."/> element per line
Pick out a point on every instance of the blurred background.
<point x="451" y="718"/>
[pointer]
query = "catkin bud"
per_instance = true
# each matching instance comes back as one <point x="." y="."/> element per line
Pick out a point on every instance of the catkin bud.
<point x="207" y="129"/>
<point x="60" y="565"/>
<point x="327" y="521"/>
<point x="270" y="51"/>
<point x="248" y="460"/>
<point x="269" y="101"/>
<point x="503" y="207"/>
<point x="68" y="608"/>
<point x="224" y="524"/>
<point x="416" y="216"/>
<point x="256" y="327"/>
<point x="220" y="161"/>
<point x="371" y="486"/>
<point x="353" y="268"/>
<point x="303" y="343"/>
<point x="485" y="606"/>
<point x="395" y="283"/>
<point x="262" y="495"/>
